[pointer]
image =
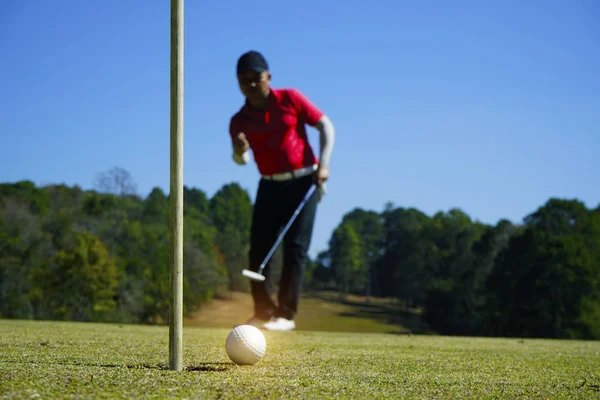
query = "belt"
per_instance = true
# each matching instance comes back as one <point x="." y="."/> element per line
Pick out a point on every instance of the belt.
<point x="286" y="176"/>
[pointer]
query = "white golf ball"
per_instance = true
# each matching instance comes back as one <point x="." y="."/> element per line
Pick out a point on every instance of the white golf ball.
<point x="245" y="345"/>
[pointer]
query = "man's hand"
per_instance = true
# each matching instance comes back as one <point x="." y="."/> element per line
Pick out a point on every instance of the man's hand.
<point x="240" y="143"/>
<point x="321" y="175"/>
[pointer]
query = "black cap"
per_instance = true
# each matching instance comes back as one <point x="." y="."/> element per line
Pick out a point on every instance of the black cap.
<point x="252" y="60"/>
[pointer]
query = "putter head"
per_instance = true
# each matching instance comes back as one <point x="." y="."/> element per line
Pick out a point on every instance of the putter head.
<point x="255" y="276"/>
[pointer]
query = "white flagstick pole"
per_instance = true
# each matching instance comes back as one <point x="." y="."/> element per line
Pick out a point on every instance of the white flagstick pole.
<point x="176" y="189"/>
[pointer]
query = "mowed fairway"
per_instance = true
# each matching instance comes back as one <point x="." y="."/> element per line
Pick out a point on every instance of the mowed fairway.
<point x="318" y="312"/>
<point x="85" y="360"/>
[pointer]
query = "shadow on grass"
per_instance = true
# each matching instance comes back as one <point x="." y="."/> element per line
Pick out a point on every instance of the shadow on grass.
<point x="408" y="321"/>
<point x="202" y="367"/>
<point x="210" y="367"/>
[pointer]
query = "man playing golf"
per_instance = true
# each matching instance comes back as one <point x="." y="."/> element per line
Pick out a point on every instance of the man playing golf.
<point x="272" y="124"/>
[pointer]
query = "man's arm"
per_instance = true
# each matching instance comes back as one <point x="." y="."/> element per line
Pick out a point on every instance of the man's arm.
<point x="239" y="144"/>
<point x="326" y="140"/>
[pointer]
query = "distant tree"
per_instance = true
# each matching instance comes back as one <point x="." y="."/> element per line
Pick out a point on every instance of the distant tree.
<point x="231" y="206"/>
<point x="346" y="263"/>
<point x="319" y="274"/>
<point x="78" y="283"/>
<point x="117" y="181"/>
<point x="492" y="242"/>
<point x="231" y="213"/>
<point x="71" y="254"/>
<point x="547" y="281"/>
<point x="156" y="206"/>
<point x="204" y="278"/>
<point x="369" y="228"/>
<point x="450" y="289"/>
<point x="195" y="199"/>
<point x="36" y="199"/>
<point x="42" y="239"/>
<point x="22" y="245"/>
<point x="400" y="269"/>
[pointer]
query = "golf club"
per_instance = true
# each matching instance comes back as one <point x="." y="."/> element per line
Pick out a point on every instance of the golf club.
<point x="258" y="276"/>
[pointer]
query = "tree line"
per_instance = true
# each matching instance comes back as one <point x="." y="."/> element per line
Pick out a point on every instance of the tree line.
<point x="103" y="255"/>
<point x="540" y="278"/>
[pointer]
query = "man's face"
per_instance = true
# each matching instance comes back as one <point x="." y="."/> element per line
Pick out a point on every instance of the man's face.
<point x="255" y="85"/>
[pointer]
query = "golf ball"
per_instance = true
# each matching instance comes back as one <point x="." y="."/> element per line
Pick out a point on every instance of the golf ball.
<point x="245" y="345"/>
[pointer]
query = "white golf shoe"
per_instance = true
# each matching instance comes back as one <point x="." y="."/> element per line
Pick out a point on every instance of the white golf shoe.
<point x="279" y="324"/>
<point x="254" y="321"/>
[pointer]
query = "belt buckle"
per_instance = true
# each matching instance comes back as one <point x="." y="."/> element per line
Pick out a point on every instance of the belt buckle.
<point x="281" y="176"/>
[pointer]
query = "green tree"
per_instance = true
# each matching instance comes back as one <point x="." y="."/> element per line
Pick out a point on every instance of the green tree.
<point x="203" y="277"/>
<point x="401" y="267"/>
<point x="231" y="206"/>
<point x="345" y="249"/>
<point x="450" y="290"/>
<point x="39" y="229"/>
<point x="22" y="245"/>
<point x="37" y="200"/>
<point x="156" y="206"/>
<point x="77" y="283"/>
<point x="231" y="214"/>
<point x="369" y="228"/>
<point x="195" y="199"/>
<point x="319" y="274"/>
<point x="547" y="282"/>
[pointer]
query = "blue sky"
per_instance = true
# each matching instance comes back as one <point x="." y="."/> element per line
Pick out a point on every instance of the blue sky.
<point x="489" y="106"/>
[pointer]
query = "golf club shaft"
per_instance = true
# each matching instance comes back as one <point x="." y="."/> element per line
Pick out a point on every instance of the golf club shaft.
<point x="285" y="229"/>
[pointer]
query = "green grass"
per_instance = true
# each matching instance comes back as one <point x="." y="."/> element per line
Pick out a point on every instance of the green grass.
<point x="85" y="360"/>
<point x="317" y="312"/>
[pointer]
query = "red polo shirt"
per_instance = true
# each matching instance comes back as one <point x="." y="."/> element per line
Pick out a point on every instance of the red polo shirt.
<point x="277" y="134"/>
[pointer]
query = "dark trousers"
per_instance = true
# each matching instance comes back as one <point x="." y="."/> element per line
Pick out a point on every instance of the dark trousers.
<point x="276" y="202"/>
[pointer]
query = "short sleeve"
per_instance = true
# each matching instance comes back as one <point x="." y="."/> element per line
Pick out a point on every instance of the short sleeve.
<point x="307" y="110"/>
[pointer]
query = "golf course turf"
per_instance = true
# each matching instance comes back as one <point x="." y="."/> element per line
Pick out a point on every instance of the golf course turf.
<point x="41" y="359"/>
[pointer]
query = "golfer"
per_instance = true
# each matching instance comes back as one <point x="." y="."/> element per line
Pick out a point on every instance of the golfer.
<point x="271" y="123"/>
